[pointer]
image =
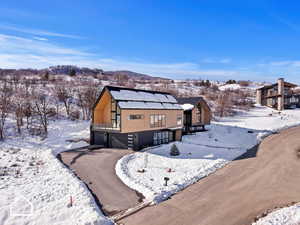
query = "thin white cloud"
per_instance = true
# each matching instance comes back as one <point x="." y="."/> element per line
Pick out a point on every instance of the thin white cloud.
<point x="20" y="52"/>
<point x="40" y="38"/>
<point x="20" y="45"/>
<point x="286" y="22"/>
<point x="216" y="60"/>
<point x="37" y="32"/>
<point x="290" y="63"/>
<point x="224" y="61"/>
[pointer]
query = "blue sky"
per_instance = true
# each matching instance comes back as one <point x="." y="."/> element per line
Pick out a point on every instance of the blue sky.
<point x="248" y="40"/>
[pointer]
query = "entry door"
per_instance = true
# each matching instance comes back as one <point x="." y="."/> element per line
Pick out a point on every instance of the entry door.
<point x="106" y="140"/>
<point x="188" y="120"/>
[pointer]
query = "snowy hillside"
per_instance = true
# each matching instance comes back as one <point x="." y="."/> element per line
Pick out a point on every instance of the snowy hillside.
<point x="35" y="185"/>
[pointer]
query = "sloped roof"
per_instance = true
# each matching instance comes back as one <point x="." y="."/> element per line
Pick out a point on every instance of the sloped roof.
<point x="190" y="100"/>
<point x="129" y="98"/>
<point x="129" y="94"/>
<point x="286" y="84"/>
<point x="186" y="102"/>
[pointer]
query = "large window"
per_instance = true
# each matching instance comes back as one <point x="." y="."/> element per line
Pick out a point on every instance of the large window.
<point x="157" y="120"/>
<point x="161" y="138"/>
<point x="115" y="114"/>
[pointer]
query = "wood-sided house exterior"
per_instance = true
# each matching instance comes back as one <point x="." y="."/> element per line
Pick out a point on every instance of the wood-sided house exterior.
<point x="135" y="119"/>
<point x="280" y="95"/>
<point x="197" y="114"/>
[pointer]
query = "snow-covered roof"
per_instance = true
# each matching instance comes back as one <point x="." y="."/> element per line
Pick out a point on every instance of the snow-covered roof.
<point x="187" y="106"/>
<point x="147" y="105"/>
<point x="129" y="98"/>
<point x="132" y="95"/>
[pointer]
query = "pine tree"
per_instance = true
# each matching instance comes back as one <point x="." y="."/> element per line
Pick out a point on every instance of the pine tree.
<point x="72" y="72"/>
<point x="46" y="76"/>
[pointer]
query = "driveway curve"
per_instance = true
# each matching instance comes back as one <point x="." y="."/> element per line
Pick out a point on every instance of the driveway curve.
<point x="97" y="169"/>
<point x="265" y="177"/>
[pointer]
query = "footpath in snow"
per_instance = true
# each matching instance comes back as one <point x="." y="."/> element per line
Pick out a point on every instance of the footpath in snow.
<point x="35" y="188"/>
<point x="200" y="154"/>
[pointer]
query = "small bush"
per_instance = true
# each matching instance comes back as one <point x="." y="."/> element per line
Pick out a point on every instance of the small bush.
<point x="174" y="150"/>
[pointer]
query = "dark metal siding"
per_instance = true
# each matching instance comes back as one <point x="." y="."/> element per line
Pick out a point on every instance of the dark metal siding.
<point x="145" y="139"/>
<point x="99" y="138"/>
<point x="118" y="140"/>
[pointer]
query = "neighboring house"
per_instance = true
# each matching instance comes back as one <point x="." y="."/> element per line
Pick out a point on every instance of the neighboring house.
<point x="280" y="95"/>
<point x="197" y="113"/>
<point x="134" y="119"/>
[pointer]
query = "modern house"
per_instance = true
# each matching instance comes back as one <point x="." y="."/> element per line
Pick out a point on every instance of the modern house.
<point x="134" y="119"/>
<point x="280" y="95"/>
<point x="197" y="114"/>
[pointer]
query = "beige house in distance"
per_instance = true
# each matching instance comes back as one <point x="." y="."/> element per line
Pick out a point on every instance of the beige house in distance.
<point x="197" y="114"/>
<point x="280" y="95"/>
<point x="135" y="119"/>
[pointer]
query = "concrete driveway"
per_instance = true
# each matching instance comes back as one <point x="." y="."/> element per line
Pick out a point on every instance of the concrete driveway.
<point x="264" y="178"/>
<point x="97" y="169"/>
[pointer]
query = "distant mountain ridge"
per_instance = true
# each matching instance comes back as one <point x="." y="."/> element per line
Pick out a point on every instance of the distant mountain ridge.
<point x="132" y="75"/>
<point x="67" y="69"/>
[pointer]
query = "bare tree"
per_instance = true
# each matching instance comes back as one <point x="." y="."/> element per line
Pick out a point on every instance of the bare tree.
<point x="19" y="103"/>
<point x="15" y="79"/>
<point x="224" y="104"/>
<point x="86" y="99"/>
<point x="28" y="111"/>
<point x="43" y="110"/>
<point x="5" y="105"/>
<point x="64" y="95"/>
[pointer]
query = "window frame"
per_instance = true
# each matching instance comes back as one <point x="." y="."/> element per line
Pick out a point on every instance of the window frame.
<point x="179" y="120"/>
<point x="135" y="117"/>
<point x="157" y="120"/>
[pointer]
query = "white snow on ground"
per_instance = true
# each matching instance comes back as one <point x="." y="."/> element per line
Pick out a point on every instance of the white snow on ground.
<point x="263" y="118"/>
<point x="201" y="154"/>
<point x="229" y="87"/>
<point x="36" y="188"/>
<point x="285" y="216"/>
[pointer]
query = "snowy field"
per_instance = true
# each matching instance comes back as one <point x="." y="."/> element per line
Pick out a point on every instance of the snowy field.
<point x="36" y="188"/>
<point x="263" y="118"/>
<point x="285" y="216"/>
<point x="200" y="154"/>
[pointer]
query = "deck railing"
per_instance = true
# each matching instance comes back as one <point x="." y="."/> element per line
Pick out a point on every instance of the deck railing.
<point x="104" y="126"/>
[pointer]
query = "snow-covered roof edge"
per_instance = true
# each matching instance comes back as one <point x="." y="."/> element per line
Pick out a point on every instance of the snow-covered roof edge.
<point x="130" y="98"/>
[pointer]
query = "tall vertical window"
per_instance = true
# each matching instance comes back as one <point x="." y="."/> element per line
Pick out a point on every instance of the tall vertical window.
<point x="115" y="114"/>
<point x="198" y="113"/>
<point x="179" y="120"/>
